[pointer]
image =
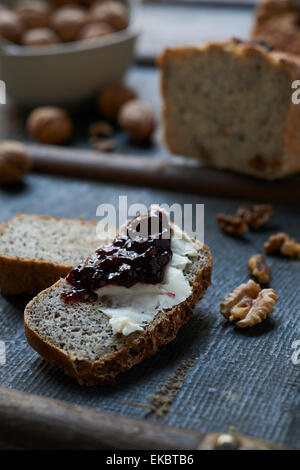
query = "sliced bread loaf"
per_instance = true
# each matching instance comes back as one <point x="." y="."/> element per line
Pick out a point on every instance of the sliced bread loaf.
<point x="81" y="337"/>
<point x="36" y="250"/>
<point x="278" y="23"/>
<point x="230" y="105"/>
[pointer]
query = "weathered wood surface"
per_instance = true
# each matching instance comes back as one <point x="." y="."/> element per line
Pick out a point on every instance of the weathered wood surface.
<point x="30" y="421"/>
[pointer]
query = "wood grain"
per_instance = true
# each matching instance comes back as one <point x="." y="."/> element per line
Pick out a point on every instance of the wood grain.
<point x="182" y="174"/>
<point x="33" y="422"/>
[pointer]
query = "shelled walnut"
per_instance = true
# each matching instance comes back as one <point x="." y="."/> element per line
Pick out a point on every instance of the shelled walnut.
<point x="248" y="305"/>
<point x="33" y="13"/>
<point x="232" y="224"/>
<point x="100" y="129"/>
<point x="256" y="216"/>
<point x="137" y="118"/>
<point x="112" y="97"/>
<point x="50" y="125"/>
<point x="282" y="243"/>
<point x="258" y="268"/>
<point x="14" y="162"/>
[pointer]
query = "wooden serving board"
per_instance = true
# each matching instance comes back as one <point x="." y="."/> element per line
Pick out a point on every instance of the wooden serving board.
<point x="179" y="174"/>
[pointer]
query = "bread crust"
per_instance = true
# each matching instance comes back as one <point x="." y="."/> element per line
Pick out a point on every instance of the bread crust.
<point x="277" y="22"/>
<point x="282" y="165"/>
<point x="19" y="275"/>
<point x="139" y="346"/>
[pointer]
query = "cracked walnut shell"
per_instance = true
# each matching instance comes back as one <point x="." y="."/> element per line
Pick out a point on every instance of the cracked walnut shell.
<point x="282" y="243"/>
<point x="258" y="268"/>
<point x="248" y="305"/>
<point x="14" y="162"/>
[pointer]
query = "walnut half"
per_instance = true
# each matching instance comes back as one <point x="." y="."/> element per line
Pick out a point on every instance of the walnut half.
<point x="282" y="243"/>
<point x="258" y="268"/>
<point x="248" y="304"/>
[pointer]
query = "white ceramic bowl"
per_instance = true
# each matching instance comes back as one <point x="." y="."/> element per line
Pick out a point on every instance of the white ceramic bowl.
<point x="66" y="74"/>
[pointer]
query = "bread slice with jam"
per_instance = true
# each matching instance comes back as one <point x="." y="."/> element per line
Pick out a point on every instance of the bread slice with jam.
<point x="99" y="322"/>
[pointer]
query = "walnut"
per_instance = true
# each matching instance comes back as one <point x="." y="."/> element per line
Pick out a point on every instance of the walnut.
<point x="67" y="21"/>
<point x="282" y="243"/>
<point x="50" y="125"/>
<point x="138" y="120"/>
<point x="11" y="27"/>
<point x="33" y="13"/>
<point x="248" y="304"/>
<point x="14" y="162"/>
<point x="259" y="268"/>
<point x="232" y="224"/>
<point x="256" y="216"/>
<point x="94" y="31"/>
<point x="112" y="97"/>
<point x="100" y="129"/>
<point x="111" y="12"/>
<point x="39" y="37"/>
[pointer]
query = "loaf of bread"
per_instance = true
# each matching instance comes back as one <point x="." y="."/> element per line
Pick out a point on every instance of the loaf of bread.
<point x="81" y="336"/>
<point x="35" y="251"/>
<point x="278" y="23"/>
<point x="230" y="105"/>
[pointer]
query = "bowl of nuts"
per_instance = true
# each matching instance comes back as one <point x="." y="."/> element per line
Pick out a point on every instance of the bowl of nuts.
<point x="61" y="52"/>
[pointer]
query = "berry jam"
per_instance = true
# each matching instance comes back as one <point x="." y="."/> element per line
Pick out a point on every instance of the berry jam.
<point x="140" y="255"/>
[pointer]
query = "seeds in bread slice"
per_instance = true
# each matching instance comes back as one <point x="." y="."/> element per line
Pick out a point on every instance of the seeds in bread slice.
<point x="79" y="337"/>
<point x="36" y="250"/>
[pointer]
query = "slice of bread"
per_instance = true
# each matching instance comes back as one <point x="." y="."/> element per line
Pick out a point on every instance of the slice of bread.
<point x="78" y="336"/>
<point x="36" y="250"/>
<point x="230" y="105"/>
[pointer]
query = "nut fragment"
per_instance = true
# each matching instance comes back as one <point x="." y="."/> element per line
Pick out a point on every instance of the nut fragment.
<point x="137" y="118"/>
<point x="108" y="145"/>
<point x="259" y="268"/>
<point x="39" y="37"/>
<point x="234" y="225"/>
<point x="50" y="125"/>
<point x="282" y="243"/>
<point x="67" y="21"/>
<point x="113" y="13"/>
<point x="112" y="97"/>
<point x="33" y="13"/>
<point x="100" y="129"/>
<point x="256" y="216"/>
<point x="11" y="27"/>
<point x="248" y="304"/>
<point x="14" y="162"/>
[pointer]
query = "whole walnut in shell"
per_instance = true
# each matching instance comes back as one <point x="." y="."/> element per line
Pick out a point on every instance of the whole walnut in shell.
<point x="39" y="37"/>
<point x="14" y="162"/>
<point x="111" y="12"/>
<point x="112" y="97"/>
<point x="67" y="21"/>
<point x="50" y="125"/>
<point x="137" y="118"/>
<point x="11" y="27"/>
<point x="33" y="13"/>
<point x="95" y="30"/>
